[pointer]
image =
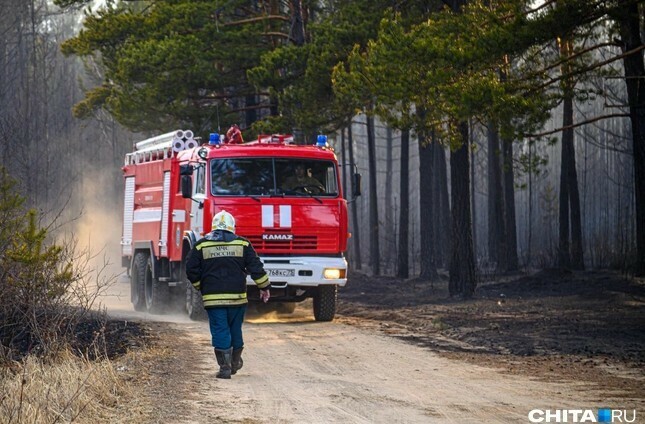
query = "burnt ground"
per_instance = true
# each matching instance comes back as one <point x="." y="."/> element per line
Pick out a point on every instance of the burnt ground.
<point x="98" y="338"/>
<point x="93" y="336"/>
<point x="553" y="325"/>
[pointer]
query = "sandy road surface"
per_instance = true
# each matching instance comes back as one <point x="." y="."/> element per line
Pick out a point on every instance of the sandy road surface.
<point x="299" y="371"/>
<point x="320" y="373"/>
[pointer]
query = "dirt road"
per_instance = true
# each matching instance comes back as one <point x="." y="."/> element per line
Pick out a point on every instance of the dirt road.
<point x="299" y="371"/>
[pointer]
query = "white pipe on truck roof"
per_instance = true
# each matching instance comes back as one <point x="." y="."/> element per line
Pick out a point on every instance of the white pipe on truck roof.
<point x="160" y="139"/>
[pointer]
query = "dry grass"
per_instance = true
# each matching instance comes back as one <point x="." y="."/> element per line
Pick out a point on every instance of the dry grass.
<point x="70" y="389"/>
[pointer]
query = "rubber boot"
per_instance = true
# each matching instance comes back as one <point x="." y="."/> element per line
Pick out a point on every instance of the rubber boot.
<point x="237" y="361"/>
<point x="224" y="357"/>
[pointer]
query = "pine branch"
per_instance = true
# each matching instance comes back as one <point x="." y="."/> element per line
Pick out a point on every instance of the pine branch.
<point x="587" y="68"/>
<point x="257" y="19"/>
<point x="573" y="56"/>
<point x="578" y="124"/>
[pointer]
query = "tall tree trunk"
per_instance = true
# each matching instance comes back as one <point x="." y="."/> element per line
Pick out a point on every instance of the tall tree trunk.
<point x="403" y="265"/>
<point x="357" y="263"/>
<point x="577" y="259"/>
<point x="628" y="22"/>
<point x="529" y="226"/>
<point x="508" y="178"/>
<point x="390" y="228"/>
<point x="297" y="23"/>
<point x="428" y="270"/>
<point x="375" y="260"/>
<point x="509" y="205"/>
<point x="462" y="260"/>
<point x="251" y="114"/>
<point x="26" y="112"/>
<point x="273" y="107"/>
<point x="496" y="224"/>
<point x="442" y="207"/>
<point x="473" y="199"/>
<point x="569" y="176"/>
<point x="564" y="257"/>
<point x="4" y="124"/>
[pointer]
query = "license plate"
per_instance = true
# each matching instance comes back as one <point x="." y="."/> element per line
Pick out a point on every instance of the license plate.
<point x="281" y="272"/>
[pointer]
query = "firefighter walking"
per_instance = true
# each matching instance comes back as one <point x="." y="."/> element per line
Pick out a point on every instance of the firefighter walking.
<point x="217" y="266"/>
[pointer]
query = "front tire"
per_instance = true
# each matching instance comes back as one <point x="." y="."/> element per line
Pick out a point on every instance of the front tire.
<point x="325" y="303"/>
<point x="194" y="304"/>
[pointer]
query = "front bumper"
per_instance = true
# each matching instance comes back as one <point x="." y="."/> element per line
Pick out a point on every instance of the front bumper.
<point x="302" y="271"/>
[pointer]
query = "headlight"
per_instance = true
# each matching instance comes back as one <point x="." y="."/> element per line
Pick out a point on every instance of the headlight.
<point x="333" y="273"/>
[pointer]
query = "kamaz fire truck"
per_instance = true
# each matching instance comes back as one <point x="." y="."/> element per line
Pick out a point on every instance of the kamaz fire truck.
<point x="174" y="185"/>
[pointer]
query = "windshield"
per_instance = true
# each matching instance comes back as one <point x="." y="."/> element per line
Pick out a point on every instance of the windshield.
<point x="273" y="176"/>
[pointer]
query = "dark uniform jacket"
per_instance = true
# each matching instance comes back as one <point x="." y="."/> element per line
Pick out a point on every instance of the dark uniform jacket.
<point x="217" y="266"/>
<point x="306" y="183"/>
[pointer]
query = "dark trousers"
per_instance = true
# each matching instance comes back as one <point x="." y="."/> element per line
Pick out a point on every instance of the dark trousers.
<point x="226" y="326"/>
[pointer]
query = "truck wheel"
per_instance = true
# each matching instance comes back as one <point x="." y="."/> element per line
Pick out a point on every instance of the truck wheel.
<point x="137" y="282"/>
<point x="325" y="303"/>
<point x="194" y="304"/>
<point x="156" y="291"/>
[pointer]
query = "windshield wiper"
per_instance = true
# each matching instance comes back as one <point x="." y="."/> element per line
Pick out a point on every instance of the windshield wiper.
<point x="315" y="197"/>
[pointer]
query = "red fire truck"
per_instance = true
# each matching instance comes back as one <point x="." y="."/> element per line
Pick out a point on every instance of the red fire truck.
<point x="175" y="184"/>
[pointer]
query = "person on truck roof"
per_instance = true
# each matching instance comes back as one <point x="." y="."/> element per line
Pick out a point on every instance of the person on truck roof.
<point x="234" y="135"/>
<point x="301" y="181"/>
<point x="217" y="266"/>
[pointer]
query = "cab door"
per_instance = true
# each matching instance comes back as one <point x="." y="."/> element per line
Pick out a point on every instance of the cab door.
<point x="197" y="206"/>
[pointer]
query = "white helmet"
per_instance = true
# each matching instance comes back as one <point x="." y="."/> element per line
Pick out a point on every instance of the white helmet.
<point x="223" y="221"/>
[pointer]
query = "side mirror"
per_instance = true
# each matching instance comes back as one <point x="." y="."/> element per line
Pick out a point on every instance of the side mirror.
<point x="186" y="187"/>
<point x="357" y="185"/>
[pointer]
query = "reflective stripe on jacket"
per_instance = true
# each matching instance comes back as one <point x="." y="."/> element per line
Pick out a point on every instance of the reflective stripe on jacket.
<point x="217" y="266"/>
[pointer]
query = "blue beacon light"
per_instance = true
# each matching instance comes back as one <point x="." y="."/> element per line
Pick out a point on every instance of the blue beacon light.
<point x="213" y="139"/>
<point x="321" y="141"/>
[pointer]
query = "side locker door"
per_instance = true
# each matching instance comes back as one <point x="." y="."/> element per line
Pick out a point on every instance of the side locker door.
<point x="165" y="215"/>
<point x="179" y="223"/>
<point x="128" y="212"/>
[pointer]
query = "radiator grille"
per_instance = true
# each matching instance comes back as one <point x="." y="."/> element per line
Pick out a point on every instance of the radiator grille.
<point x="299" y="243"/>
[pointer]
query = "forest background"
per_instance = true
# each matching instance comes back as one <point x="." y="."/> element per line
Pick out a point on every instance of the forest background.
<point x="491" y="136"/>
